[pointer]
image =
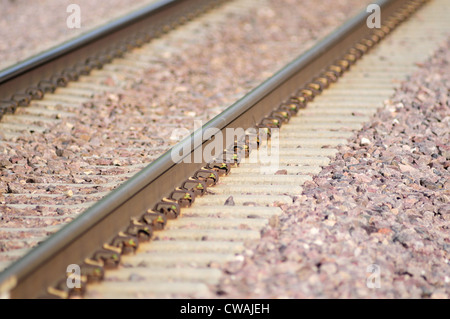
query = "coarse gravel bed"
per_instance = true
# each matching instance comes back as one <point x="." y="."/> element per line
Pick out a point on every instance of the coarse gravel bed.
<point x="382" y="208"/>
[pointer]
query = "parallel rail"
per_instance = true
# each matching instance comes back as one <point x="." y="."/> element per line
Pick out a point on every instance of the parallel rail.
<point x="45" y="266"/>
<point x="32" y="78"/>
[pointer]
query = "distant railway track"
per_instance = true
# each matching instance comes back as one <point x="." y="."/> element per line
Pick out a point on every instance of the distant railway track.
<point x="31" y="79"/>
<point x="103" y="235"/>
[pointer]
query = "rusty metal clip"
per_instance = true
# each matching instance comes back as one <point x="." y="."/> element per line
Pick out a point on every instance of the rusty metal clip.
<point x="197" y="186"/>
<point x="168" y="207"/>
<point x="105" y="57"/>
<point x="351" y="58"/>
<point x="375" y="37"/>
<point x="368" y="43"/>
<point x="209" y="176"/>
<point x="35" y="93"/>
<point x="380" y="33"/>
<point x="55" y="293"/>
<point x="82" y="69"/>
<point x="331" y="76"/>
<point x="22" y="99"/>
<point x="356" y="53"/>
<point x="8" y="107"/>
<point x="232" y="157"/>
<point x="156" y="220"/>
<point x="344" y="64"/>
<point x="323" y="81"/>
<point x="93" y="270"/>
<point x="184" y="197"/>
<point x="336" y="69"/>
<point x="62" y="291"/>
<point x="392" y="22"/>
<point x="300" y="100"/>
<point x="284" y="115"/>
<point x="264" y="131"/>
<point x="76" y="290"/>
<point x="60" y="80"/>
<point x="252" y="140"/>
<point x="316" y="88"/>
<point x="361" y="47"/>
<point x="71" y="74"/>
<point x="385" y="29"/>
<point x="94" y="63"/>
<point x="47" y="86"/>
<point x="241" y="149"/>
<point x="142" y="231"/>
<point x="127" y="243"/>
<point x="109" y="256"/>
<point x="307" y="94"/>
<point x="222" y="168"/>
<point x="271" y="122"/>
<point x="292" y="108"/>
<point x="118" y="51"/>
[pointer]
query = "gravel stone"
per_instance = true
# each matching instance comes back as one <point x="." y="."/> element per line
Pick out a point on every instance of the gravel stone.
<point x="229" y="201"/>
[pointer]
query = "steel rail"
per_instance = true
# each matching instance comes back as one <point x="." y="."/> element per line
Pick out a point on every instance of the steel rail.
<point x="18" y="83"/>
<point x="30" y="276"/>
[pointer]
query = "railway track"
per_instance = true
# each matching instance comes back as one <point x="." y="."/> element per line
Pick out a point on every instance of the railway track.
<point x="209" y="234"/>
<point x="49" y="198"/>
